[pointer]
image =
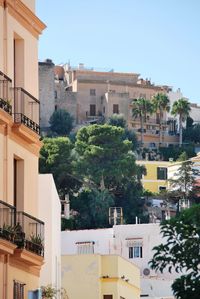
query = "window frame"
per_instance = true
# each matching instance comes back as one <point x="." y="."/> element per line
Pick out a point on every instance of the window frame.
<point x="115" y="111"/>
<point x="162" y="176"/>
<point x="93" y="92"/>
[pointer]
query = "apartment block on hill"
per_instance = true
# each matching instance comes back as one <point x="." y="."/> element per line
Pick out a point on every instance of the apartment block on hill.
<point x="91" y="95"/>
<point x="21" y="232"/>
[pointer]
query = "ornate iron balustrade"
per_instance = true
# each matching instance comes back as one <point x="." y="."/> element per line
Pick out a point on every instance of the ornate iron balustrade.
<point x="26" y="109"/>
<point x="7" y="221"/>
<point x="23" y="119"/>
<point x="5" y="93"/>
<point x="30" y="233"/>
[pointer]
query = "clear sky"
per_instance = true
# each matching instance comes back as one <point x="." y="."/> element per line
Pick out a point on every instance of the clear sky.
<point x="160" y="39"/>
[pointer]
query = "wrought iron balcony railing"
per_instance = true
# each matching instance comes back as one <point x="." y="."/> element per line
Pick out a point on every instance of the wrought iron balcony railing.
<point x="22" y="229"/>
<point x="30" y="233"/>
<point x="7" y="221"/>
<point x="5" y="93"/>
<point x="26" y="109"/>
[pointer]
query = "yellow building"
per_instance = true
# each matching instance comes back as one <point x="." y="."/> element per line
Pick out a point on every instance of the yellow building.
<point x="156" y="176"/>
<point x="100" y="277"/>
<point x="21" y="233"/>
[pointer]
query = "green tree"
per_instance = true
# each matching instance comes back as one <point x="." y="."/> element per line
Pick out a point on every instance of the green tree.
<point x="161" y="104"/>
<point x="56" y="158"/>
<point x="92" y="208"/>
<point x="117" y="120"/>
<point x="181" y="252"/>
<point x="61" y="122"/>
<point x="192" y="134"/>
<point x="181" y="108"/>
<point x="183" y="182"/>
<point x="141" y="107"/>
<point x="103" y="156"/>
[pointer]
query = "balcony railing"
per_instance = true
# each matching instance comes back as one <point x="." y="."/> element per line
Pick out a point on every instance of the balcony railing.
<point x="31" y="233"/>
<point x="22" y="229"/>
<point x="26" y="109"/>
<point x="7" y="221"/>
<point x="5" y="93"/>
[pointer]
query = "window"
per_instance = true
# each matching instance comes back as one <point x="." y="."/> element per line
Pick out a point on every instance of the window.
<point x="92" y="110"/>
<point x="137" y="251"/>
<point x="56" y="107"/>
<point x="55" y="94"/>
<point x="130" y="252"/>
<point x="93" y="92"/>
<point x="161" y="173"/>
<point x="18" y="290"/>
<point x="107" y="296"/>
<point x="134" y="248"/>
<point x="116" y="108"/>
<point x="85" y="247"/>
<point x="161" y="188"/>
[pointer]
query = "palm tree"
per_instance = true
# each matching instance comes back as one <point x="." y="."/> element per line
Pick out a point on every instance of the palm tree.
<point x="181" y="108"/>
<point x="141" y="107"/>
<point x="161" y="104"/>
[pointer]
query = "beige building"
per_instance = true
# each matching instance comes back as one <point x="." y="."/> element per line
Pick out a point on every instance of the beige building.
<point x="91" y="95"/>
<point x="21" y="232"/>
<point x="100" y="277"/>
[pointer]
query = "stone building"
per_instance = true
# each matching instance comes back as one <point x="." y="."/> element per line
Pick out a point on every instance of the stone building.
<point x="91" y="95"/>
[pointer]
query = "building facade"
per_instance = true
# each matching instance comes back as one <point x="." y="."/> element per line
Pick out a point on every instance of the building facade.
<point x="21" y="232"/>
<point x="100" y="277"/>
<point x="156" y="177"/>
<point x="91" y="96"/>
<point x="133" y="242"/>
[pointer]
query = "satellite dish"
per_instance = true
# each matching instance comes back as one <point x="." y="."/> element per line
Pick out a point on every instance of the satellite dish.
<point x="146" y="271"/>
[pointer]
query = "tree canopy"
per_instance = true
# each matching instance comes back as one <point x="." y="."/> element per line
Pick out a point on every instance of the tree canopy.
<point x="61" y="122"/>
<point x="182" y="109"/>
<point x="103" y="155"/>
<point x="55" y="158"/>
<point x="181" y="252"/>
<point x="117" y="120"/>
<point x="184" y="183"/>
<point x="161" y="104"/>
<point x="98" y="170"/>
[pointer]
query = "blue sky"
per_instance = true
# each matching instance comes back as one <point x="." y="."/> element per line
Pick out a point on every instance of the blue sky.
<point x="160" y="39"/>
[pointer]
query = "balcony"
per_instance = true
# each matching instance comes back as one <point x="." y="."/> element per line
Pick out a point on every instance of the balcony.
<point x="30" y="233"/>
<point x="19" y="229"/>
<point x="26" y="109"/>
<point x="7" y="218"/>
<point x="5" y="93"/>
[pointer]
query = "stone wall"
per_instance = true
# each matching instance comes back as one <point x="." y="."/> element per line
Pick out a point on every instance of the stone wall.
<point x="46" y="92"/>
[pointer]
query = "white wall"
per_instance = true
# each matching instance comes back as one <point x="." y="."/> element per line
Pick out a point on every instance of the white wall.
<point x="49" y="212"/>
<point x="103" y="239"/>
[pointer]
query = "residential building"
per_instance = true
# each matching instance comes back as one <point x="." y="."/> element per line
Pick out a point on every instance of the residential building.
<point x="49" y="212"/>
<point x="21" y="232"/>
<point x="133" y="242"/>
<point x="155" y="179"/>
<point x="100" y="277"/>
<point x="91" y="95"/>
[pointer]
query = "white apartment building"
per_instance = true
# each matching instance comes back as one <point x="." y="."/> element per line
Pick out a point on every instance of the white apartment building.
<point x="49" y="211"/>
<point x="134" y="242"/>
